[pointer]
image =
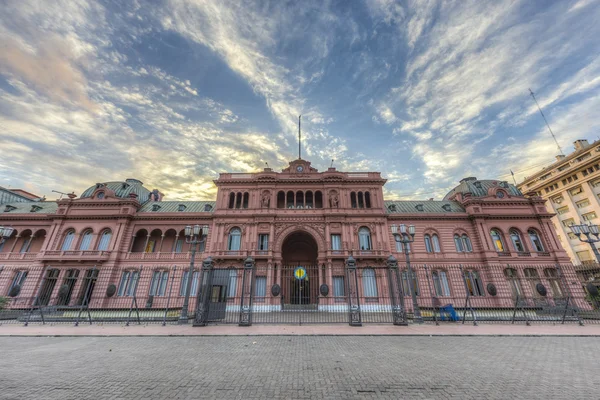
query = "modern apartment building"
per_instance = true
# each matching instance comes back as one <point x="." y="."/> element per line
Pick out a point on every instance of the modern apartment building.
<point x="571" y="187"/>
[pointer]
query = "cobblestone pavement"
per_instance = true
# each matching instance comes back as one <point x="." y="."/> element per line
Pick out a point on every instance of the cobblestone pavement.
<point x="299" y="367"/>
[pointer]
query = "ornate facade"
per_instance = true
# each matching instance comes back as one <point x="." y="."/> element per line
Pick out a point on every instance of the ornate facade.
<point x="298" y="216"/>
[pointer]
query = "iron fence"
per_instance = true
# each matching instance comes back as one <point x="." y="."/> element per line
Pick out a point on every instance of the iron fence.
<point x="293" y="294"/>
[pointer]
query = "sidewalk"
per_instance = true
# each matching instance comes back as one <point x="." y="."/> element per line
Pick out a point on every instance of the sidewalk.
<point x="327" y="330"/>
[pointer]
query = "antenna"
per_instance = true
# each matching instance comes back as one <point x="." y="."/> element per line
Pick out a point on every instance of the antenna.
<point x="61" y="194"/>
<point x="299" y="138"/>
<point x="546" y="121"/>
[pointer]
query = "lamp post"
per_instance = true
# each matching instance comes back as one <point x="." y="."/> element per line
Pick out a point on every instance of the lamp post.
<point x="194" y="235"/>
<point x="5" y="233"/>
<point x="592" y="235"/>
<point x="406" y="238"/>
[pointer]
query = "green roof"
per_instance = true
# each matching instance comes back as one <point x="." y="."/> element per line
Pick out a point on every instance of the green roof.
<point x="37" y="207"/>
<point x="173" y="206"/>
<point x="121" y="189"/>
<point x="424" y="206"/>
<point x="479" y="188"/>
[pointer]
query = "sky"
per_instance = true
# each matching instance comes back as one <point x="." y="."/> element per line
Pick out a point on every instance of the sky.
<point x="175" y="92"/>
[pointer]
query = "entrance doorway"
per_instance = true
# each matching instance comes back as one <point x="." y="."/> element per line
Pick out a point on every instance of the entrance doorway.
<point x="299" y="272"/>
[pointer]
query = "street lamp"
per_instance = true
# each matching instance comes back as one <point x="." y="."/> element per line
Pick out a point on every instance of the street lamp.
<point x="5" y="233"/>
<point x="194" y="235"/>
<point x="592" y="235"/>
<point x="406" y="238"/>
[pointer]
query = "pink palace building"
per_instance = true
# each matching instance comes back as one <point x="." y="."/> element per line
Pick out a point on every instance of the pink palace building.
<point x="280" y="246"/>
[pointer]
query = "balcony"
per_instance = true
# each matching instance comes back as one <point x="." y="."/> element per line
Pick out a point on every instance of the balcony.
<point x="18" y="256"/>
<point x="504" y="254"/>
<point x="158" y="256"/>
<point x="523" y="254"/>
<point x="74" y="255"/>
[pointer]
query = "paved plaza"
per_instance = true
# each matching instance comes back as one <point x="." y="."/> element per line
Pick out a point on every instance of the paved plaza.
<point x="299" y="367"/>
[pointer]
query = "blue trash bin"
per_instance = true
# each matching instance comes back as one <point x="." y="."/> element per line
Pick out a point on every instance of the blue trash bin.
<point x="450" y="311"/>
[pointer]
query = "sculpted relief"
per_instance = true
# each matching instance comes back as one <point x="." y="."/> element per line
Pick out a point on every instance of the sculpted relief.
<point x="334" y="199"/>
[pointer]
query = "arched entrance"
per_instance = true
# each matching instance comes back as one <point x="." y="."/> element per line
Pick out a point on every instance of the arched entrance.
<point x="300" y="275"/>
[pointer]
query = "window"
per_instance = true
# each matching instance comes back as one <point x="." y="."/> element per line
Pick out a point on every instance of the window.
<point x="515" y="237"/>
<point x="466" y="243"/>
<point x="235" y="239"/>
<point x="69" y="282"/>
<point x="158" y="286"/>
<point x="364" y="238"/>
<point x="26" y="244"/>
<point x="178" y="246"/>
<point x="128" y="284"/>
<point x="18" y="280"/>
<point x="428" y="246"/>
<point x="399" y="244"/>
<point x="68" y="241"/>
<point x="231" y="291"/>
<point x="181" y="207"/>
<point x="595" y="183"/>
<point x="562" y="210"/>
<point x="583" y="203"/>
<point x="584" y="256"/>
<point x="184" y="283"/>
<point x="568" y="222"/>
<point x="353" y="200"/>
<point x="533" y="277"/>
<point x="261" y="287"/>
<point x="576" y="191"/>
<point x="231" y="200"/>
<point x="440" y="284"/>
<point x="436" y="243"/>
<point x="207" y="207"/>
<point x="407" y="285"/>
<point x="100" y="195"/>
<point x="86" y="240"/>
<point x="513" y="280"/>
<point x="589" y="216"/>
<point x="263" y="242"/>
<point x="558" y="199"/>
<point x="367" y="199"/>
<point x="497" y="239"/>
<point x="552" y="275"/>
<point x="369" y="283"/>
<point x="536" y="242"/>
<point x="338" y="286"/>
<point x="336" y="242"/>
<point x="458" y="244"/>
<point x="474" y="283"/>
<point x="104" y="240"/>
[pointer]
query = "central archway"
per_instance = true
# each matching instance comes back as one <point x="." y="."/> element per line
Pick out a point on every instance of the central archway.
<point x="300" y="275"/>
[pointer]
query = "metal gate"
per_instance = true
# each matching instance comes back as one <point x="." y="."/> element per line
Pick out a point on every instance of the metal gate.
<point x="298" y="294"/>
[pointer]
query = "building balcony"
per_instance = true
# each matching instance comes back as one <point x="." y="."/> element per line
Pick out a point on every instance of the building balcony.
<point x="158" y="256"/>
<point x="504" y="254"/>
<point x="18" y="256"/>
<point x="523" y="254"/>
<point x="74" y="255"/>
<point x="358" y="254"/>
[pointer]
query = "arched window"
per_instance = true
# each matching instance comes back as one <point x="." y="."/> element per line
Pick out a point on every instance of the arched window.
<point x="474" y="283"/>
<point x="281" y="199"/>
<point x="516" y="240"/>
<point x="408" y="284"/>
<point x="428" y="246"/>
<point x="318" y="199"/>
<point x="290" y="200"/>
<point x="246" y="199"/>
<point x="361" y="201"/>
<point x="353" y="200"/>
<point x="309" y="199"/>
<point x="440" y="284"/>
<point x="367" y="199"/>
<point x="369" y="283"/>
<point x="364" y="238"/>
<point x="458" y="243"/>
<point x="158" y="285"/>
<point x="238" y="200"/>
<point x="86" y="240"/>
<point x="68" y="241"/>
<point x="536" y="242"/>
<point x="299" y="199"/>
<point x="231" y="200"/>
<point x="231" y="291"/>
<point x="104" y="240"/>
<point x="552" y="275"/>
<point x="514" y="283"/>
<point x="466" y="243"/>
<point x="235" y="239"/>
<point x="399" y="247"/>
<point x="435" y="240"/>
<point x="497" y="239"/>
<point x="532" y="276"/>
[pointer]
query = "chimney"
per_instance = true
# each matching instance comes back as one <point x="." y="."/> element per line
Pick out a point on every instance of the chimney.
<point x="580" y="144"/>
<point x="560" y="157"/>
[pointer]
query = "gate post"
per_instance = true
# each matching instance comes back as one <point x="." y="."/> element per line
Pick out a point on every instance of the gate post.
<point x="205" y="285"/>
<point x="354" y="315"/>
<point x="396" y="295"/>
<point x="247" y="292"/>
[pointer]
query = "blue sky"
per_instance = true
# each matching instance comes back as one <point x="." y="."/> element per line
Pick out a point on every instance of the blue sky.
<point x="174" y="92"/>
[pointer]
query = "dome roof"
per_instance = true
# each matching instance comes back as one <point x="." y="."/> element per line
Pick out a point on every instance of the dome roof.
<point x="480" y="188"/>
<point x="121" y="189"/>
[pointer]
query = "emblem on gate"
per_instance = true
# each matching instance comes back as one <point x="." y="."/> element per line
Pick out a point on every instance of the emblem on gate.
<point x="300" y="273"/>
